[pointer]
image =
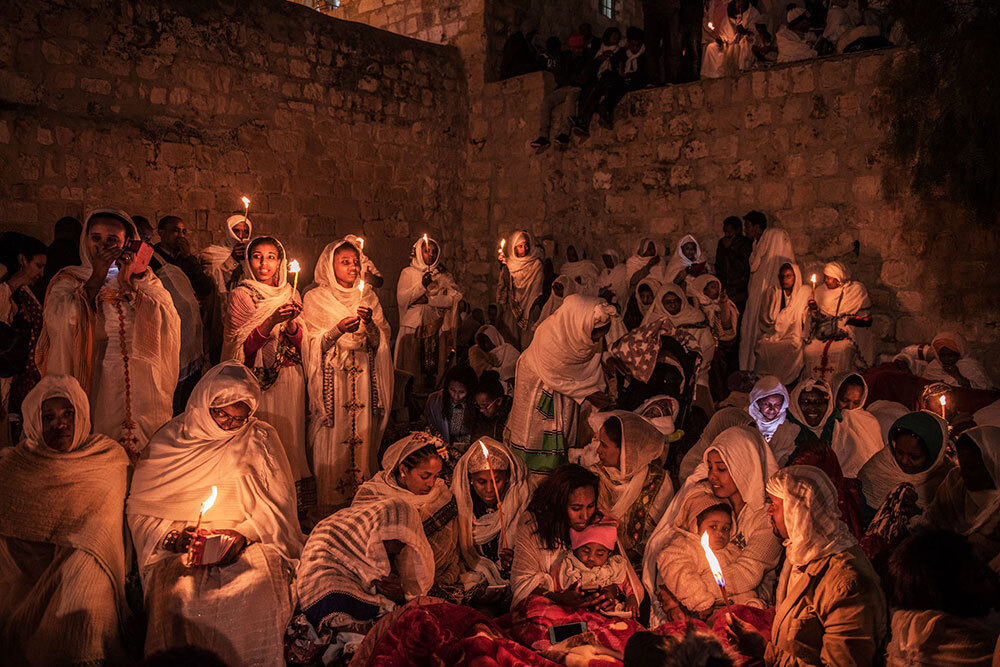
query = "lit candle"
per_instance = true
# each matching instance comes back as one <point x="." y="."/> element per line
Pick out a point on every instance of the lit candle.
<point x="711" y="26"/>
<point x="944" y="404"/>
<point x="812" y="279"/>
<point x="205" y="506"/>
<point x="713" y="564"/>
<point x="503" y="242"/>
<point x="361" y="243"/>
<point x="246" y="207"/>
<point x="293" y="267"/>
<point x="425" y="240"/>
<point x="361" y="286"/>
<point x="496" y="490"/>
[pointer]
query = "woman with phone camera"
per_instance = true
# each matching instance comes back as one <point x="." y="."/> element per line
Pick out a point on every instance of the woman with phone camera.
<point x="109" y="323"/>
<point x="264" y="332"/>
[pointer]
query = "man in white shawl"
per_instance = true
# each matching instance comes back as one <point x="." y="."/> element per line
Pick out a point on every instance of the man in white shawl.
<point x="731" y="35"/>
<point x="830" y="609"/>
<point x="781" y="328"/>
<point x="770" y="252"/>
<point x="115" y="331"/>
<point x="953" y="365"/>
<point x="264" y="332"/>
<point x="839" y="337"/>
<point x="428" y="298"/>
<point x="222" y="261"/>
<point x="349" y="374"/>
<point x="688" y="260"/>
<point x="217" y="450"/>
<point x="559" y="371"/>
<point x="520" y="285"/>
<point x="62" y="547"/>
<point x="357" y="565"/>
<point x="794" y="39"/>
<point x="487" y="529"/>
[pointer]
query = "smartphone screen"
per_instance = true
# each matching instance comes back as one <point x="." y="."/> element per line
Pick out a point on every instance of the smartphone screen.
<point x="560" y="633"/>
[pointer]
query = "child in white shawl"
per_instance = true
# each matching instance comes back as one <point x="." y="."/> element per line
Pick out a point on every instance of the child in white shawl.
<point x="115" y="331"/>
<point x="217" y="448"/>
<point x="521" y="278"/>
<point x="593" y="565"/>
<point x="428" y="298"/>
<point x="263" y="330"/>
<point x="349" y="374"/>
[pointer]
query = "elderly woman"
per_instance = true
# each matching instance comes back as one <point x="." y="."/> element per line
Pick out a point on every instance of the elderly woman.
<point x="830" y="609"/>
<point x="671" y="304"/>
<point x="488" y="529"/>
<point x="968" y="500"/>
<point x="62" y="548"/>
<point x="263" y="331"/>
<point x="357" y="565"/>
<point x="953" y="365"/>
<point x="116" y="331"/>
<point x="349" y="372"/>
<point x="428" y="298"/>
<point x="521" y="276"/>
<point x="412" y="471"/>
<point x="840" y="337"/>
<point x="782" y="325"/>
<point x="635" y="490"/>
<point x="217" y="450"/>
<point x="492" y="353"/>
<point x="555" y="375"/>
<point x="733" y="470"/>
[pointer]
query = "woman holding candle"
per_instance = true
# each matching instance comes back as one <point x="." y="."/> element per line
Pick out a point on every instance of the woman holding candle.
<point x="521" y="277"/>
<point x="782" y="325"/>
<point x="733" y="470"/>
<point x="217" y="442"/>
<point x="428" y="298"/>
<point x="839" y="330"/>
<point x="487" y="529"/>
<point x="349" y="371"/>
<point x="62" y="552"/>
<point x="412" y="471"/>
<point x="263" y="330"/>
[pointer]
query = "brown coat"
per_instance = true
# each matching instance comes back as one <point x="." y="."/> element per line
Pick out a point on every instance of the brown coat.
<point x="833" y="615"/>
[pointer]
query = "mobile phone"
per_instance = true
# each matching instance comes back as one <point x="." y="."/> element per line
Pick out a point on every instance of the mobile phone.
<point x="143" y="253"/>
<point x="560" y="633"/>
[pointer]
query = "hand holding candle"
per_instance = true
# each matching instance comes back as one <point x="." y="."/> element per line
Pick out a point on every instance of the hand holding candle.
<point x="205" y="506"/>
<point x="713" y="564"/>
<point x="496" y="490"/>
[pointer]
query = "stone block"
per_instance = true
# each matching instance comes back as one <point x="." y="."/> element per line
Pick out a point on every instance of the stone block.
<point x="744" y="170"/>
<point x="45" y="136"/>
<point x="867" y="188"/>
<point x="773" y="194"/>
<point x="824" y="164"/>
<point x="96" y="86"/>
<point x="914" y="329"/>
<point x="757" y="115"/>
<point x="835" y="73"/>
<point x="64" y="80"/>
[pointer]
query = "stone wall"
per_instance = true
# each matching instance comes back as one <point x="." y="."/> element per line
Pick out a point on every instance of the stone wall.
<point x="802" y="143"/>
<point x="329" y="127"/>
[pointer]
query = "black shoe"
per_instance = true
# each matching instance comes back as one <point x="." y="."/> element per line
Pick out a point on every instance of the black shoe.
<point x="562" y="140"/>
<point x="540" y="144"/>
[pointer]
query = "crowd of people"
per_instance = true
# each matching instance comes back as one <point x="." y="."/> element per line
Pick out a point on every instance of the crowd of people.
<point x="681" y="41"/>
<point x="624" y="461"/>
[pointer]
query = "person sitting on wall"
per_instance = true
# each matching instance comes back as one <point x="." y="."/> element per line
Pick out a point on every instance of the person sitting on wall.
<point x="573" y="71"/>
<point x="519" y="56"/>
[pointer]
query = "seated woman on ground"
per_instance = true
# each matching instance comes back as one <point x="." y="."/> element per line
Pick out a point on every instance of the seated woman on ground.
<point x="953" y="365"/>
<point x="451" y="410"/>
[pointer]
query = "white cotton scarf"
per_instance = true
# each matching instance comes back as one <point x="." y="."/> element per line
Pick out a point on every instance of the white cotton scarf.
<point x="215" y="256"/>
<point x="503" y="357"/>
<point x="385" y="483"/>
<point x="442" y="293"/>
<point x="768" y="386"/>
<point x="772" y="249"/>
<point x="812" y="515"/>
<point x="642" y="444"/>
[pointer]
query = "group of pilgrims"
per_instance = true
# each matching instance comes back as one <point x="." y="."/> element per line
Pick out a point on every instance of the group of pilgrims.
<point x="329" y="492"/>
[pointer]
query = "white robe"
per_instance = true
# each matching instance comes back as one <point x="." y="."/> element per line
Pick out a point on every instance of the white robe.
<point x="772" y="249"/>
<point x="782" y="329"/>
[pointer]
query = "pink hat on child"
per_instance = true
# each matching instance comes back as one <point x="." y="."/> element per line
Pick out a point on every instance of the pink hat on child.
<point x="604" y="533"/>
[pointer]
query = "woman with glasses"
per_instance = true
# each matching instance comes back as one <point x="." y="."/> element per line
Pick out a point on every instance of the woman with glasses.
<point x="217" y="449"/>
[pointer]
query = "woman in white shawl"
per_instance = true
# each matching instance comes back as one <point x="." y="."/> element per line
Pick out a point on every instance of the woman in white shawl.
<point x="840" y="337"/>
<point x="224" y="261"/>
<point x="722" y="315"/>
<point x="854" y="435"/>
<point x="915" y="454"/>
<point x="644" y="262"/>
<point x="115" y="331"/>
<point x="562" y="287"/>
<point x="357" y="565"/>
<point x="263" y="331"/>
<point x="411" y="471"/>
<point x="580" y="270"/>
<point x="492" y="353"/>
<point x="217" y="449"/>
<point x="772" y="250"/>
<point x="782" y="325"/>
<point x="62" y="547"/>
<point x="521" y="278"/>
<point x="671" y="304"/>
<point x="635" y="489"/>
<point x="734" y="469"/>
<point x="641" y="301"/>
<point x="688" y="261"/>
<point x="614" y="277"/>
<point x="428" y="298"/>
<point x="480" y="538"/>
<point x="953" y="365"/>
<point x="349" y="374"/>
<point x="968" y="500"/>
<point x="767" y="412"/>
<point x="558" y="372"/>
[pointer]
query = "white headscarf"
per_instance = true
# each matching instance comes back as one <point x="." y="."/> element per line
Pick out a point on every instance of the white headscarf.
<point x="641" y="445"/>
<point x="772" y="249"/>
<point x="636" y="261"/>
<point x="659" y="411"/>
<point x="504" y="356"/>
<point x="793" y="404"/>
<point x="615" y="278"/>
<point x="654" y="286"/>
<point x="688" y="314"/>
<point x="838" y="382"/>
<point x="881" y="474"/>
<point x="790" y="320"/>
<point x="367" y="266"/>
<point x="680" y="261"/>
<point x="844" y="302"/>
<point x="812" y="515"/>
<point x="569" y="286"/>
<point x="417" y="255"/>
<point x="192" y="453"/>
<point x="385" y="483"/>
<point x="474" y="530"/>
<point x="768" y="386"/>
<point x="987" y="439"/>
<point x="214" y="256"/>
<point x="563" y="354"/>
<point x="83" y="270"/>
<point x="275" y="294"/>
<point x="583" y="271"/>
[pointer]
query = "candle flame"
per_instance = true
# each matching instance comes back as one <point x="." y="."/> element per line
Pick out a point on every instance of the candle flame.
<point x="503" y="242"/>
<point x="812" y="279"/>
<point x="943" y="400"/>
<point x="293" y="266"/>
<point x="425" y="239"/>
<point x="713" y="562"/>
<point x="711" y="26"/>
<point x="486" y="452"/>
<point x="205" y="506"/>
<point x="361" y="242"/>
<point x="246" y="202"/>
<point x="361" y="286"/>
